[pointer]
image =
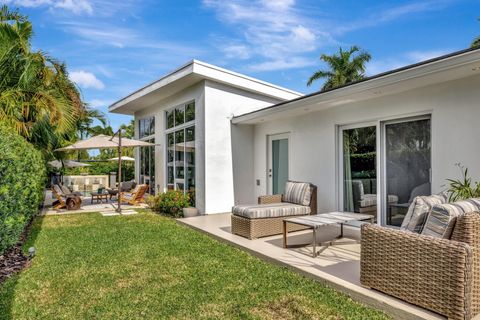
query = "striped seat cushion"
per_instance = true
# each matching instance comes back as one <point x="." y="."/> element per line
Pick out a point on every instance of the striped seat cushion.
<point x="418" y="211"/>
<point x="298" y="193"/>
<point x="369" y="200"/>
<point x="276" y="210"/>
<point x="441" y="219"/>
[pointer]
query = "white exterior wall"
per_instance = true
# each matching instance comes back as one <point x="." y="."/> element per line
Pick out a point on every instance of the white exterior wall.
<point x="215" y="104"/>
<point x="195" y="92"/>
<point x="455" y="110"/>
<point x="221" y="103"/>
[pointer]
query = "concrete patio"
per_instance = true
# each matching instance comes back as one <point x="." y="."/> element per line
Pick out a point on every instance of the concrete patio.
<point x="106" y="207"/>
<point x="337" y="265"/>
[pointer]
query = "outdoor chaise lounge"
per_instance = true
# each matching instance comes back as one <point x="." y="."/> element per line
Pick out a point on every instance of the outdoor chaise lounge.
<point x="135" y="196"/>
<point x="265" y="219"/>
<point x="437" y="269"/>
<point x="65" y="198"/>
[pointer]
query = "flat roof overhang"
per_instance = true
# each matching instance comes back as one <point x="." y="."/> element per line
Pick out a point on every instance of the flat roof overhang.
<point x="454" y="66"/>
<point x="190" y="74"/>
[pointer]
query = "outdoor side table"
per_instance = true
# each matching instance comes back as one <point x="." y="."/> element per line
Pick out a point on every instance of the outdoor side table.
<point x="316" y="221"/>
<point x="99" y="197"/>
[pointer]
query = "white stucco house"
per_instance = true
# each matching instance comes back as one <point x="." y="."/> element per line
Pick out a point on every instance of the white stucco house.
<point x="369" y="146"/>
<point x="187" y="114"/>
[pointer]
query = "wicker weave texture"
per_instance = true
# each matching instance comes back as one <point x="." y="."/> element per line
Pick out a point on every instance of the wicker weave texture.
<point x="467" y="230"/>
<point x="275" y="198"/>
<point x="263" y="227"/>
<point x="429" y="272"/>
<point x="257" y="228"/>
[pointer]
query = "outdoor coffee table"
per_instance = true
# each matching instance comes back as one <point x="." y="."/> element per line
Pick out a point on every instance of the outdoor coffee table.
<point x="326" y="219"/>
<point x="99" y="196"/>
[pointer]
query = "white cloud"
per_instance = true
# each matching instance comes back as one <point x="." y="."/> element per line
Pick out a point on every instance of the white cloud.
<point x="236" y="51"/>
<point x="99" y="103"/>
<point x="385" y="15"/>
<point x="282" y="64"/>
<point x="75" y="6"/>
<point x="86" y="79"/>
<point x="378" y="66"/>
<point x="274" y="31"/>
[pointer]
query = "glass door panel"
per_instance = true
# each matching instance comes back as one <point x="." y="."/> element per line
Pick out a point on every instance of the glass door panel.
<point x="359" y="154"/>
<point x="179" y="159"/>
<point x="190" y="162"/>
<point x="278" y="163"/>
<point x="407" y="166"/>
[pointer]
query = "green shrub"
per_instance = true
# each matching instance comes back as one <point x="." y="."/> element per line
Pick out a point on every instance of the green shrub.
<point x="22" y="182"/>
<point x="169" y="203"/>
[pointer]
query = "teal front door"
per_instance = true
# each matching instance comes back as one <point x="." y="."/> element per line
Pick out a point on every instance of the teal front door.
<point x="278" y="170"/>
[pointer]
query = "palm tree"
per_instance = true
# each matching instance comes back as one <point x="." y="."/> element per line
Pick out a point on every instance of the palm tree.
<point x="37" y="99"/>
<point x="343" y="67"/>
<point x="476" y="41"/>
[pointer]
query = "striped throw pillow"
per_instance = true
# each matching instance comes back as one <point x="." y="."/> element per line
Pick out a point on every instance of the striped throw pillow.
<point x="441" y="219"/>
<point x="418" y="211"/>
<point x="297" y="192"/>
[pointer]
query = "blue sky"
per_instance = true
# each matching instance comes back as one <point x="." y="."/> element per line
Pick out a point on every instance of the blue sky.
<point x="113" y="47"/>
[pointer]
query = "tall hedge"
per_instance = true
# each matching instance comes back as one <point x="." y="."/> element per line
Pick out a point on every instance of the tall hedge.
<point x="22" y="181"/>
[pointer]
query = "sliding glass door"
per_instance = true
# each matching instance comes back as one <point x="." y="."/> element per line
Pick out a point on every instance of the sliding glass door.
<point x="384" y="166"/>
<point x="359" y="153"/>
<point x="407" y="163"/>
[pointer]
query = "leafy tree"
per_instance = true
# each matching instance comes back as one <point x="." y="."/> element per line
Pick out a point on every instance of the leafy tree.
<point x="37" y="99"/>
<point x="476" y="41"/>
<point x="344" y="67"/>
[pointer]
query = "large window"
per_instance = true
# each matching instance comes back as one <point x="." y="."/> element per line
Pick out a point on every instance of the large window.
<point x="403" y="149"/>
<point x="146" y="129"/>
<point x="180" y="142"/>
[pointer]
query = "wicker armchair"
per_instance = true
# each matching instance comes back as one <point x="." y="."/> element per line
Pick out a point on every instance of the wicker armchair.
<point x="442" y="275"/>
<point x="263" y="227"/>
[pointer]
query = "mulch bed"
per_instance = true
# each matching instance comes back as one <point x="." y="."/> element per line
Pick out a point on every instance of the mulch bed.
<point x="13" y="260"/>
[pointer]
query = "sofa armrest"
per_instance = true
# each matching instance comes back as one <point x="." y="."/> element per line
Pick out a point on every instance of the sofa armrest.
<point x="430" y="272"/>
<point x="276" y="198"/>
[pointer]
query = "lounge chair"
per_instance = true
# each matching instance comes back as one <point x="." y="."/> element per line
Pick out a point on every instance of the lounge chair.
<point x="266" y="218"/>
<point x="135" y="196"/>
<point x="69" y="200"/>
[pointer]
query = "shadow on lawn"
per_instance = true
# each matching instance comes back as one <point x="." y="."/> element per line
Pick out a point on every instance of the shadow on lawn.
<point x="7" y="289"/>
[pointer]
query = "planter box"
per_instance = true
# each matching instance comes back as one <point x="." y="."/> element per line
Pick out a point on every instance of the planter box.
<point x="190" y="212"/>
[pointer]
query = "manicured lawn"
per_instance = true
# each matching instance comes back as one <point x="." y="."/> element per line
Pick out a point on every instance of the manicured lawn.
<point x="146" y="266"/>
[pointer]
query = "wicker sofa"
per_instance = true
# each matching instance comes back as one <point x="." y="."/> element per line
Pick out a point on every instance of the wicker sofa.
<point x="258" y="227"/>
<point x="442" y="275"/>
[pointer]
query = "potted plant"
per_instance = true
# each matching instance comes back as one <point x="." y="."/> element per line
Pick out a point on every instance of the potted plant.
<point x="190" y="211"/>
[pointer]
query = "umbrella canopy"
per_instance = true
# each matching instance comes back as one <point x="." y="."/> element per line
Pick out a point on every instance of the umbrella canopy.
<point x="108" y="142"/>
<point x="104" y="142"/>
<point x="67" y="163"/>
<point x="124" y="158"/>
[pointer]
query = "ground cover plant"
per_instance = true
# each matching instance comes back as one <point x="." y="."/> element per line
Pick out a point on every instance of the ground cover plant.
<point x="148" y="266"/>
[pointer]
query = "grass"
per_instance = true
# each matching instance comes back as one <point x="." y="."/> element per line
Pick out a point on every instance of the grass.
<point x="147" y="266"/>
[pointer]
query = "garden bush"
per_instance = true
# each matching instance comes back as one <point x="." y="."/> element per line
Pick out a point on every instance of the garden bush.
<point x="22" y="181"/>
<point x="169" y="203"/>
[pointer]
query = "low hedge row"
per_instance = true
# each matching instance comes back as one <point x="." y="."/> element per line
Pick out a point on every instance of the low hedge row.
<point x="22" y="181"/>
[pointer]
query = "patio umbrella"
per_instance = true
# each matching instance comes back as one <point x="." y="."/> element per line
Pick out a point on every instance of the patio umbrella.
<point x="109" y="142"/>
<point x="124" y="158"/>
<point x="67" y="164"/>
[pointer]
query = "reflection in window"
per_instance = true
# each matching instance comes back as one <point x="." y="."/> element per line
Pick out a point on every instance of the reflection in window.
<point x="180" y="141"/>
<point x="146" y="128"/>
<point x="179" y="116"/>
<point x="359" y="170"/>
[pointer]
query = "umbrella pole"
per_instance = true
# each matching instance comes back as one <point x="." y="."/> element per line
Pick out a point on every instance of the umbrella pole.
<point x="119" y="171"/>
